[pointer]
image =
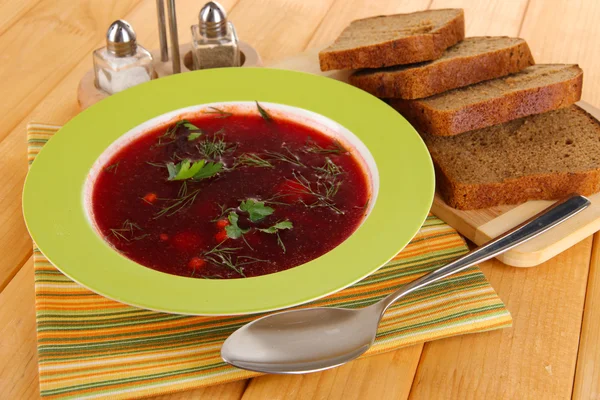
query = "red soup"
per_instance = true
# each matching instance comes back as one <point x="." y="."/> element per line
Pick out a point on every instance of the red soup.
<point x="226" y="195"/>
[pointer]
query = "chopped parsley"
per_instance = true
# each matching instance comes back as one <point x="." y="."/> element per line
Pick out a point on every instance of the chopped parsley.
<point x="256" y="209"/>
<point x="195" y="170"/>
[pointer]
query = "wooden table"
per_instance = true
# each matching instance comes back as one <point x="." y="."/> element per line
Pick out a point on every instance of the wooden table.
<point x="553" y="349"/>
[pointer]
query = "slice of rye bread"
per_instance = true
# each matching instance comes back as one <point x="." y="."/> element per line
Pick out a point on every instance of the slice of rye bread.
<point x="394" y="39"/>
<point x="534" y="90"/>
<point x="473" y="60"/>
<point x="544" y="156"/>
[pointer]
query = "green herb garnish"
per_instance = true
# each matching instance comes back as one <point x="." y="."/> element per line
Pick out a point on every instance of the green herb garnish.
<point x="278" y="226"/>
<point x="227" y="260"/>
<point x="196" y="170"/>
<point x="112" y="168"/>
<point x="223" y="256"/>
<point x="183" y="201"/>
<point x="256" y="209"/>
<point x="252" y="160"/>
<point x="287" y="157"/>
<point x="220" y="113"/>
<point x="312" y="147"/>
<point x="329" y="169"/>
<point x="281" y="225"/>
<point x="127" y="232"/>
<point x="323" y="193"/>
<point x="209" y="170"/>
<point x="214" y="148"/>
<point x="263" y="113"/>
<point x="188" y="124"/>
<point x="158" y="165"/>
<point x="233" y="230"/>
<point x="193" y="136"/>
<point x="171" y="133"/>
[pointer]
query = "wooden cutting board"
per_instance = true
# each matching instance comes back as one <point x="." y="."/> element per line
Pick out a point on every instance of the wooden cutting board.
<point x="482" y="225"/>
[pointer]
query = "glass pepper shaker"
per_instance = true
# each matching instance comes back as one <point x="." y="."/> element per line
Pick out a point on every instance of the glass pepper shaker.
<point x="122" y="63"/>
<point x="214" y="41"/>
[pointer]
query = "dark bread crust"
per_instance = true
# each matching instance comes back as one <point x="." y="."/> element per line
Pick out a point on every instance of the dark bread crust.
<point x="428" y="80"/>
<point x="512" y="105"/>
<point x="515" y="191"/>
<point x="406" y="50"/>
<point x="547" y="186"/>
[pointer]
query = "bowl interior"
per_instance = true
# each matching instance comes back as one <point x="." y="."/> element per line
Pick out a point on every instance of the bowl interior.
<point x="281" y="111"/>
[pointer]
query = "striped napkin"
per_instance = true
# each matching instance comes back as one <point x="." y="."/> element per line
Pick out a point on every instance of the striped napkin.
<point x="93" y="347"/>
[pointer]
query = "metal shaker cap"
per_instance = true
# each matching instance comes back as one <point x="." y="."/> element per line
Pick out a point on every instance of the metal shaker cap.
<point x="213" y="20"/>
<point x="121" y="39"/>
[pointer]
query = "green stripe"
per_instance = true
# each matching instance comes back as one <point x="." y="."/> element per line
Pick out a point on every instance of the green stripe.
<point x="130" y="380"/>
<point x="447" y="318"/>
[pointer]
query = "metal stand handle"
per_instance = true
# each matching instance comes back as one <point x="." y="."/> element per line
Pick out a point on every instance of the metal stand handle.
<point x="162" y="33"/>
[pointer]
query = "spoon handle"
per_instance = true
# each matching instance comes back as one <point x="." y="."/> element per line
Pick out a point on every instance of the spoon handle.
<point x="529" y="229"/>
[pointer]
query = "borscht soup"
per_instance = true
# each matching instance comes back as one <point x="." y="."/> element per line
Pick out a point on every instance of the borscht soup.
<point x="229" y="192"/>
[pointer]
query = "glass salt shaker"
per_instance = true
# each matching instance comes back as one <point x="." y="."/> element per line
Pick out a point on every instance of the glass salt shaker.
<point x="122" y="63"/>
<point x="214" y="41"/>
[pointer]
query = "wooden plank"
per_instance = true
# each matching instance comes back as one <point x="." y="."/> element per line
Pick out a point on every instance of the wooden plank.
<point x="44" y="45"/>
<point x="342" y="13"/>
<point x="383" y="376"/>
<point x="493" y="18"/>
<point x="229" y="391"/>
<point x="535" y="359"/>
<point x="12" y="11"/>
<point x="278" y="28"/>
<point x="566" y="32"/>
<point x="58" y="106"/>
<point x="18" y="366"/>
<point x="15" y="244"/>
<point x="587" y="374"/>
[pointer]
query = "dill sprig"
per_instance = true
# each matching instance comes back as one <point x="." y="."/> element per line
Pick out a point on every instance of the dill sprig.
<point x="170" y="134"/>
<point x="158" y="165"/>
<point x="112" y="168"/>
<point x="252" y="160"/>
<point x="323" y="195"/>
<point x="182" y="201"/>
<point x="364" y="206"/>
<point x="215" y="147"/>
<point x="227" y="260"/>
<point x="329" y="169"/>
<point x="218" y="249"/>
<point x="183" y="189"/>
<point x="167" y="137"/>
<point x="218" y="112"/>
<point x="287" y="157"/>
<point x="312" y="147"/>
<point x="224" y="211"/>
<point x="127" y="231"/>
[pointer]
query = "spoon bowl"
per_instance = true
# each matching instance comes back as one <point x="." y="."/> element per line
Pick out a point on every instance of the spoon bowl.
<point x="301" y="341"/>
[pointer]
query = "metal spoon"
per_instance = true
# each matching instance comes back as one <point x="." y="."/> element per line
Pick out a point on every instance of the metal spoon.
<point x="314" y="339"/>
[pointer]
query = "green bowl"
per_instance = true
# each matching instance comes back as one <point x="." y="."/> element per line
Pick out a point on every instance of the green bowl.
<point x="56" y="191"/>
